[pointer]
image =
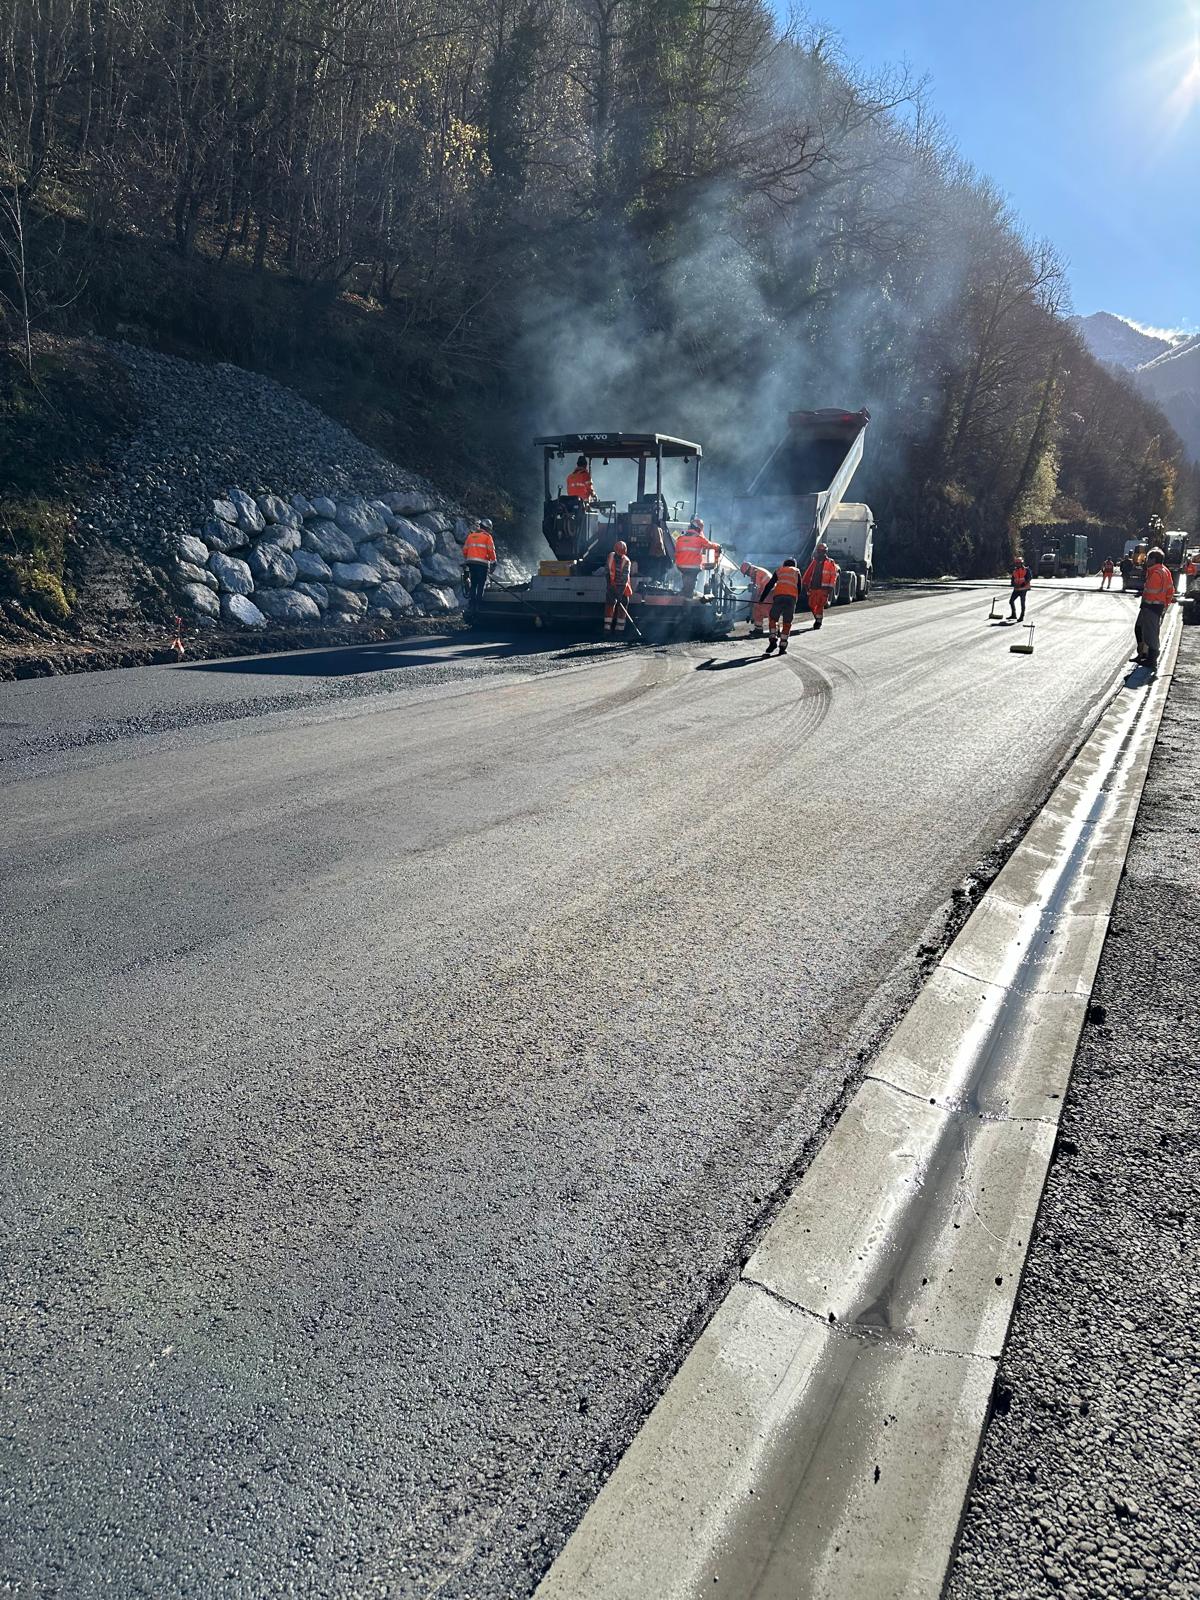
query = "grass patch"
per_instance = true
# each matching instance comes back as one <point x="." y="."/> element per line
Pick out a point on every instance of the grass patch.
<point x="55" y="433"/>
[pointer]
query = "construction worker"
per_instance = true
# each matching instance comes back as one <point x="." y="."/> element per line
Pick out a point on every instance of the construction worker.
<point x="758" y="578"/>
<point x="1022" y="579"/>
<point x="579" y="482"/>
<point x="691" y="552"/>
<point x="620" y="586"/>
<point x="820" y="582"/>
<point x="784" y="584"/>
<point x="1106" y="573"/>
<point x="1158" y="592"/>
<point x="479" y="553"/>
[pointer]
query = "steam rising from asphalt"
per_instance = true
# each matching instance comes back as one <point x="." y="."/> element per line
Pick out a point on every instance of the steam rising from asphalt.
<point x="691" y="346"/>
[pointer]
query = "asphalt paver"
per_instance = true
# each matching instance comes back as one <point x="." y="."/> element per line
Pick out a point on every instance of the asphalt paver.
<point x="1086" y="1485"/>
<point x="404" y="1048"/>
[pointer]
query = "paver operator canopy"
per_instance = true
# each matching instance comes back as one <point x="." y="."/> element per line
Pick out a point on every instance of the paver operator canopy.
<point x="584" y="531"/>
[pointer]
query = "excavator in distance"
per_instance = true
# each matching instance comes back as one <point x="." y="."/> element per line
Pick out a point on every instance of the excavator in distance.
<point x="567" y="591"/>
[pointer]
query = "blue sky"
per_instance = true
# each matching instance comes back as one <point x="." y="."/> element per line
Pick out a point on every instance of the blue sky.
<point x="1085" y="112"/>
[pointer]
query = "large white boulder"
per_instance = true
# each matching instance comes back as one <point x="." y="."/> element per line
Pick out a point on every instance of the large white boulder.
<point x="287" y="605"/>
<point x="418" y="539"/>
<point x="286" y="535"/>
<point x="355" y="575"/>
<point x="360" y="519"/>
<point x="233" y="576"/>
<point x="311" y="566"/>
<point x="225" y="510"/>
<point x="271" y="566"/>
<point x="393" y="597"/>
<point x="346" y="601"/>
<point x="434" y="599"/>
<point x="221" y="535"/>
<point x="274" y="509"/>
<point x="185" y="572"/>
<point x="237" y="608"/>
<point x="328" y="541"/>
<point x="250" y="518"/>
<point x="441" y="570"/>
<point x="201" y="599"/>
<point x="316" y="592"/>
<point x="302" y="507"/>
<point x="324" y="508"/>
<point x="410" y="577"/>
<point x="189" y="548"/>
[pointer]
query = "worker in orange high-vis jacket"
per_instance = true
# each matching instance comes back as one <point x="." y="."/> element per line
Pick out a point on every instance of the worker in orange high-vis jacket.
<point x="1106" y="572"/>
<point x="620" y="586"/>
<point x="784" y="589"/>
<point x="819" y="583"/>
<point x="757" y="578"/>
<point x="692" y="549"/>
<point x="1158" y="592"/>
<point x="479" y="553"/>
<point x="579" y="482"/>
<point x="1022" y="581"/>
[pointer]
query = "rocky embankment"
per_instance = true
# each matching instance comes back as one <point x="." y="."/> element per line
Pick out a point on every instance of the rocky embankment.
<point x="261" y="559"/>
<point x="234" y="503"/>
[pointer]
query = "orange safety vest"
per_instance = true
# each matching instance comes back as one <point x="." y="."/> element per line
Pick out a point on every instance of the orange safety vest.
<point x="579" y="483"/>
<point x="825" y="579"/>
<point x="1021" y="578"/>
<point x="690" y="548"/>
<point x="787" y="582"/>
<point x="619" y="570"/>
<point x="1159" y="586"/>
<point x="1107" y="569"/>
<point x="479" y="546"/>
<point x="1191" y="569"/>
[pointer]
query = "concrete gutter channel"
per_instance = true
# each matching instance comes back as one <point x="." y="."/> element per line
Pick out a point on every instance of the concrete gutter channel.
<point x="819" y="1440"/>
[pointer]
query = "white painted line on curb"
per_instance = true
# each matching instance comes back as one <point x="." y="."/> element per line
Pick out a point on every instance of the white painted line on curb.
<point x="818" y="1441"/>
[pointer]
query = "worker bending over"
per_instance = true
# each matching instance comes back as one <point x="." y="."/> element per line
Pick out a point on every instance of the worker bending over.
<point x="820" y="583"/>
<point x="620" y="586"/>
<point x="785" y="588"/>
<point x="1158" y="592"/>
<point x="691" y="550"/>
<point x="1022" y="579"/>
<point x="579" y="482"/>
<point x="758" y="578"/>
<point x="479" y="553"/>
<point x="1106" y="573"/>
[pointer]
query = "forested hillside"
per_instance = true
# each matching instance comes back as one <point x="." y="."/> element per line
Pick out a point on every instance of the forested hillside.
<point x="454" y="222"/>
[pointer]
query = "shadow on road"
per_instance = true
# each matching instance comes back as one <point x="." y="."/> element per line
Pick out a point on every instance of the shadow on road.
<point x="713" y="665"/>
<point x="348" y="660"/>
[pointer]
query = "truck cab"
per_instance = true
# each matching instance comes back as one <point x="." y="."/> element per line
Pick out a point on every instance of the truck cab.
<point x="850" y="538"/>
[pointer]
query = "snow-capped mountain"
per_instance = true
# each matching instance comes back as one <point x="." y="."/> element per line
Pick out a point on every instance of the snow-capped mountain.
<point x="1119" y="342"/>
<point x="1165" y="366"/>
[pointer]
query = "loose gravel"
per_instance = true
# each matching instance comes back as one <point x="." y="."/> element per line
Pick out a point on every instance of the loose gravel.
<point x="1086" y="1485"/>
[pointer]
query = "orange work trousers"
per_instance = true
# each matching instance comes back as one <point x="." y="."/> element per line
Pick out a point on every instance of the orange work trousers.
<point x="818" y="599"/>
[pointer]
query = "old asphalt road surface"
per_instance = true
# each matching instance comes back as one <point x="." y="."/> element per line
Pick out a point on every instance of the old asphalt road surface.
<point x="403" y="1045"/>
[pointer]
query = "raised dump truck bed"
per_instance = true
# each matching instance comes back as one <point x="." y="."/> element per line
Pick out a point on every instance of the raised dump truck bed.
<point x="795" y="499"/>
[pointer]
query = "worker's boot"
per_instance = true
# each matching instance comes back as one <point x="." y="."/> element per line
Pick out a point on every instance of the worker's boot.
<point x="771" y="643"/>
<point x="817" y="621"/>
<point x="783" y="647"/>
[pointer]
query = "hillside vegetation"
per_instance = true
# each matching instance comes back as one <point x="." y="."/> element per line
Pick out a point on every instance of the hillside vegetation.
<point x="452" y="223"/>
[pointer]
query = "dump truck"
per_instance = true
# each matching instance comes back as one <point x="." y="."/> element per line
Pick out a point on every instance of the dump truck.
<point x="568" y="590"/>
<point x="1064" y="555"/>
<point x="797" y="499"/>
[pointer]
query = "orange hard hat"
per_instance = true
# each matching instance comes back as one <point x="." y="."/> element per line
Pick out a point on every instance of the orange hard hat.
<point x="747" y="568"/>
<point x="620" y="548"/>
<point x="697" y="523"/>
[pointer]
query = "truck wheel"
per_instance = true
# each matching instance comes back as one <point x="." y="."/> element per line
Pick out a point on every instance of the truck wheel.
<point x="851" y="588"/>
<point x="864" y="586"/>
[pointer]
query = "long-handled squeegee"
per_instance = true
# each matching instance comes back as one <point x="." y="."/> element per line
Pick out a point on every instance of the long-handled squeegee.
<point x="1023" y="649"/>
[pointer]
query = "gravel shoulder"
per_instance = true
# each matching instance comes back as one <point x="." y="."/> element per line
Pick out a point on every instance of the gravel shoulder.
<point x="1086" y="1483"/>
